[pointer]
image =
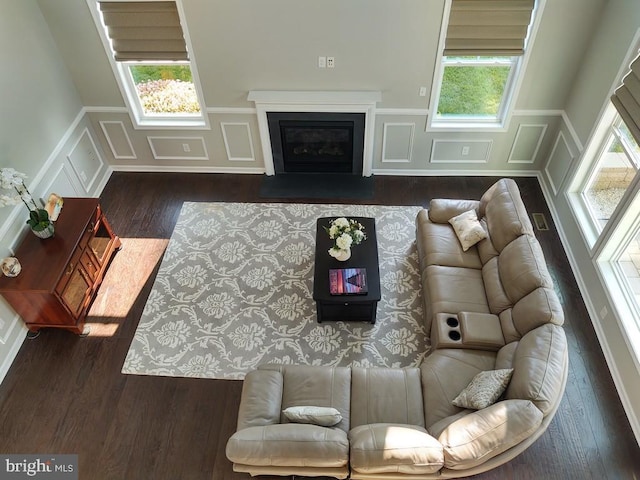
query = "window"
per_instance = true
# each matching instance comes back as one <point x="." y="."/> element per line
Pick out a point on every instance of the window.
<point x="474" y="88"/>
<point x="162" y="90"/>
<point x="614" y="170"/>
<point x="604" y="197"/>
<point x="151" y="58"/>
<point x="483" y="54"/>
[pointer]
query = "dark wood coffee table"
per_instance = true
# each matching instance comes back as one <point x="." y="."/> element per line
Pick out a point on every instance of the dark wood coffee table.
<point x="348" y="308"/>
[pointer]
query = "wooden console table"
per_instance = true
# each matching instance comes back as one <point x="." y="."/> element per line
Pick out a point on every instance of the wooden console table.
<point x="60" y="275"/>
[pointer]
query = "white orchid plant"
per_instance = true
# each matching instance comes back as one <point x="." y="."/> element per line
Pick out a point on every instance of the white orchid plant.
<point x="345" y="233"/>
<point x="11" y="179"/>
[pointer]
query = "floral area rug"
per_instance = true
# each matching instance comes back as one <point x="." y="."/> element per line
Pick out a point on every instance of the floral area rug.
<point x="234" y="290"/>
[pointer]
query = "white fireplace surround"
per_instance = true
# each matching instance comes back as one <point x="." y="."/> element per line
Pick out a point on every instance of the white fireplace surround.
<point x="316" y="101"/>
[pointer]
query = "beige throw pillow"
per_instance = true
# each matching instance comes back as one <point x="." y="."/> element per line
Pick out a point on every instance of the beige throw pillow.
<point x="323" y="416"/>
<point x="484" y="389"/>
<point x="468" y="229"/>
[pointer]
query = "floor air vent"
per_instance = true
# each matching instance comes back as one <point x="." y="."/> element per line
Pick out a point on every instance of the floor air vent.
<point x="540" y="221"/>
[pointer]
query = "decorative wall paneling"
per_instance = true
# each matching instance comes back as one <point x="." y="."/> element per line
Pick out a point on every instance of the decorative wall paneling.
<point x="118" y="140"/>
<point x="559" y="162"/>
<point x="238" y="141"/>
<point x="397" y="142"/>
<point x="527" y="143"/>
<point x="461" y="151"/>
<point x="178" y="148"/>
<point x="86" y="160"/>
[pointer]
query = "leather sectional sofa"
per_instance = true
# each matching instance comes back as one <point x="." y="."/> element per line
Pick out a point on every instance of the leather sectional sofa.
<point x="488" y="309"/>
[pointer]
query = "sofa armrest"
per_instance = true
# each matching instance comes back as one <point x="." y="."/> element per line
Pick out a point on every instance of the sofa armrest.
<point x="470" y="330"/>
<point x="261" y="399"/>
<point x="481" y="330"/>
<point x="481" y="435"/>
<point x="443" y="209"/>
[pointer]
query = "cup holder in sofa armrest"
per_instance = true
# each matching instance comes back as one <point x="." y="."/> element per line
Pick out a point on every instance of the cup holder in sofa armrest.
<point x="481" y="331"/>
<point x="455" y="335"/>
<point x="452" y="322"/>
<point x="445" y="331"/>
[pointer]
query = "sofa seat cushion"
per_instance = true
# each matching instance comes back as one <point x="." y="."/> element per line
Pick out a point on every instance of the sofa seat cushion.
<point x="445" y="373"/>
<point x="386" y="395"/>
<point x="394" y="448"/>
<point x="289" y="445"/>
<point x="455" y="289"/>
<point x="438" y="245"/>
<point x="479" y="436"/>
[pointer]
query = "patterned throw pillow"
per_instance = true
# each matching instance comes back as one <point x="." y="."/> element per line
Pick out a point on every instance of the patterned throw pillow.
<point x="484" y="389"/>
<point x="468" y="229"/>
<point x="323" y="416"/>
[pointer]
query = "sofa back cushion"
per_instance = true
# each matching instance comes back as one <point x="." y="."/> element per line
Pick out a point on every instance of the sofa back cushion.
<point x="260" y="401"/>
<point x="496" y="296"/>
<point x="505" y="214"/>
<point x="537" y="308"/>
<point x="522" y="288"/>
<point x="540" y="367"/>
<point x="441" y="210"/>
<point x="386" y="395"/>
<point x="304" y="385"/>
<point x="522" y="268"/>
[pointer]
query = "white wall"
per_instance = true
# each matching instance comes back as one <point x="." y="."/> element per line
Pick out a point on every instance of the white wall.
<point x="379" y="45"/>
<point x="41" y="113"/>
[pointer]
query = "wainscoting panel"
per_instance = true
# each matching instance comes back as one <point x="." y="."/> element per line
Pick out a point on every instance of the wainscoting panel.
<point x="85" y="160"/>
<point x="559" y="161"/>
<point x="118" y="140"/>
<point x="461" y="151"/>
<point x="237" y="141"/>
<point x="527" y="143"/>
<point x="63" y="184"/>
<point x="178" y="148"/>
<point x="397" y="142"/>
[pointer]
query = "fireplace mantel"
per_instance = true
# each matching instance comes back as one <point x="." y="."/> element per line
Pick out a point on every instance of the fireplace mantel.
<point x="315" y="101"/>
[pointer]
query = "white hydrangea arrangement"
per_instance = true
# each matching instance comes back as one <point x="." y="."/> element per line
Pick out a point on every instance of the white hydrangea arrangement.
<point x="345" y="233"/>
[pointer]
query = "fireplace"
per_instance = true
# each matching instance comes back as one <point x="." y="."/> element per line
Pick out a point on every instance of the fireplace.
<point x="360" y="103"/>
<point x="317" y="142"/>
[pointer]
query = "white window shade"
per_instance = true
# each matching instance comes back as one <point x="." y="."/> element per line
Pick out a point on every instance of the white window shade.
<point x="144" y="31"/>
<point x="626" y="99"/>
<point x="488" y="27"/>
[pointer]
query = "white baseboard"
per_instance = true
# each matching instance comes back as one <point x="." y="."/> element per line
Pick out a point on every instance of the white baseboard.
<point x="11" y="346"/>
<point x="455" y="173"/>
<point x="187" y="169"/>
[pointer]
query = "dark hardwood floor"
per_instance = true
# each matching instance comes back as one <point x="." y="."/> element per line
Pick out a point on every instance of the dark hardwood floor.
<point x="65" y="394"/>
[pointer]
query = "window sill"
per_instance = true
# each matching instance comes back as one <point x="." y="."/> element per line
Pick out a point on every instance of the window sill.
<point x="199" y="123"/>
<point x="466" y="126"/>
<point x="583" y="219"/>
